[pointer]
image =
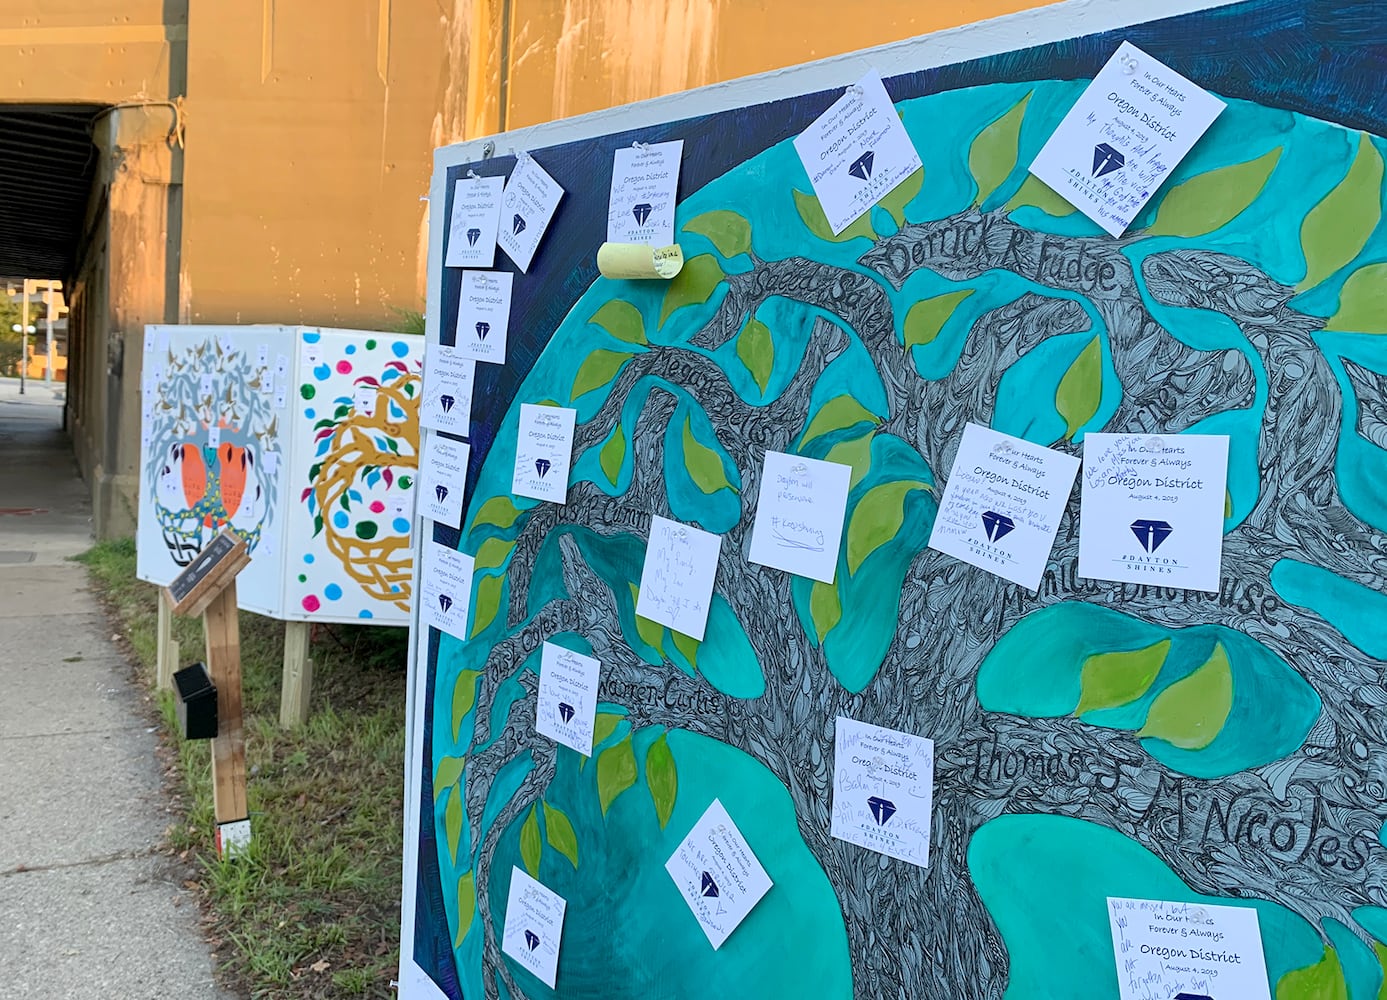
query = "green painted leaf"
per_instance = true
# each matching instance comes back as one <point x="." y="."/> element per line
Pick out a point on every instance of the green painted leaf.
<point x="993" y="155"/>
<point x="487" y="603"/>
<point x="811" y="213"/>
<point x="901" y="195"/>
<point x="530" y="846"/>
<point x="856" y="452"/>
<point x="452" y="823"/>
<point x="691" y="286"/>
<point x="662" y="778"/>
<point x="603" y="725"/>
<point x="756" y="350"/>
<point x="1081" y="389"/>
<point x="1211" y="200"/>
<point x="559" y="832"/>
<point x="651" y="633"/>
<point x="825" y="609"/>
<point x="1380" y="953"/>
<point x="1107" y="680"/>
<point x="1362" y="302"/>
<point x="1322" y="981"/>
<point x="464" y="697"/>
<point x="492" y="553"/>
<point x="687" y="645"/>
<point x="728" y="231"/>
<point x="704" y="464"/>
<point x="1337" y="229"/>
<point x="616" y="772"/>
<point x="838" y="413"/>
<point x="1227" y="504"/>
<point x="613" y="453"/>
<point x="622" y="320"/>
<point x="876" y="519"/>
<point x="1035" y="193"/>
<point x="449" y="771"/>
<point x="1191" y="712"/>
<point x="597" y="370"/>
<point x="499" y="511"/>
<point x="927" y="317"/>
<point x="467" y="906"/>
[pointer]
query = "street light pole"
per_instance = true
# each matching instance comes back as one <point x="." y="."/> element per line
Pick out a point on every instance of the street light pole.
<point x="48" y="321"/>
<point x="23" y="330"/>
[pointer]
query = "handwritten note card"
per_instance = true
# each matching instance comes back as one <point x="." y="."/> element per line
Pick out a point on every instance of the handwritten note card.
<point x="534" y="926"/>
<point x="543" y="452"/>
<point x="1151" y="509"/>
<point x="567" y="703"/>
<point x="1128" y="131"/>
<point x="527" y="206"/>
<point x="883" y="790"/>
<point x="445" y="584"/>
<point x="1187" y="951"/>
<point x="717" y="874"/>
<point x="1002" y="504"/>
<point x="447" y="393"/>
<point x="677" y="578"/>
<point x="856" y="152"/>
<point x="484" y="315"/>
<point x="442" y="479"/>
<point x="476" y="215"/>
<point x="644" y="182"/>
<point x="799" y="515"/>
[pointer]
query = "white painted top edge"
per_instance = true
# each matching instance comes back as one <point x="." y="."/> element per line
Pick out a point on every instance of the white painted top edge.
<point x="1058" y="22"/>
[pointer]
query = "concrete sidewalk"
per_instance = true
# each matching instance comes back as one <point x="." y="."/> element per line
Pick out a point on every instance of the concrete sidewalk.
<point x="89" y="907"/>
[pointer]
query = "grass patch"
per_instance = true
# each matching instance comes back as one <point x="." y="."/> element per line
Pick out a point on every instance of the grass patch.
<point x="312" y="910"/>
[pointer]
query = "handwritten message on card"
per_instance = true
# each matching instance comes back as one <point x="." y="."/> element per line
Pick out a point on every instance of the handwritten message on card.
<point x="677" y="578"/>
<point x="799" y="515"/>
<point x="717" y="874"/>
<point x="644" y="182"/>
<point x="1151" y="509"/>
<point x="446" y="402"/>
<point x="484" y="315"/>
<point x="534" y="926"/>
<point x="883" y="790"/>
<point x="567" y="702"/>
<point x="1196" y="951"/>
<point x="476" y="215"/>
<point x="1132" y="126"/>
<point x="442" y="479"/>
<point x="527" y="206"/>
<point x="1002" y="505"/>
<point x="445" y="584"/>
<point x="543" y="452"/>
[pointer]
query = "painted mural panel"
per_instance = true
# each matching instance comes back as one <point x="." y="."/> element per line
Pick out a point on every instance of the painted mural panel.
<point x="356" y="455"/>
<point x="1092" y="739"/>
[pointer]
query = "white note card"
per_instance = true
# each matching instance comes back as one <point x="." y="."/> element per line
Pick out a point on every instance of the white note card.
<point x="856" y="152"/>
<point x="484" y="315"/>
<point x="681" y="562"/>
<point x="543" y="452"/>
<point x="645" y="183"/>
<point x="1128" y="131"/>
<point x="442" y="479"/>
<point x="534" y="926"/>
<point x="1002" y="505"/>
<point x="527" y="207"/>
<point x="567" y="704"/>
<point x="476" y="215"/>
<point x="447" y="393"/>
<point x="1151" y="509"/>
<point x="717" y="874"/>
<point x="445" y="582"/>
<point x="1198" y="951"/>
<point x="883" y="790"/>
<point x="799" y="515"/>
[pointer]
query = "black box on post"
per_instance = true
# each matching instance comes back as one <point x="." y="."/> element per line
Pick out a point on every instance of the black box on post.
<point x="197" y="702"/>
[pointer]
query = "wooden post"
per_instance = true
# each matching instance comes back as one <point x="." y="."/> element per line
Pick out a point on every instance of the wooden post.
<point x="297" y="679"/>
<point x="165" y="650"/>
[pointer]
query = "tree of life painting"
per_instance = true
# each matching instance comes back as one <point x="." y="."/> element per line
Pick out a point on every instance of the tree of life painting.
<point x="1092" y="739"/>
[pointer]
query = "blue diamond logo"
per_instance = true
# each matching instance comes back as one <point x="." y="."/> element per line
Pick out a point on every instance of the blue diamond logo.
<point x="444" y="602"/>
<point x="997" y="526"/>
<point x="447" y="403"/>
<point x="1151" y="533"/>
<point x="565" y="711"/>
<point x="882" y="809"/>
<point x="641" y="212"/>
<point x="532" y="940"/>
<point x="482" y="330"/>
<point x="441" y="492"/>
<point x="473" y="235"/>
<point x="518" y="224"/>
<point x="862" y="166"/>
<point x="710" y="887"/>
<point x="1106" y="160"/>
<point x="542" y="467"/>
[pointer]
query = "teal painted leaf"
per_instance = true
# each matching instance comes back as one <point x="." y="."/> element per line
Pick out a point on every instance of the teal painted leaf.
<point x="726" y="230"/>
<point x="663" y="779"/>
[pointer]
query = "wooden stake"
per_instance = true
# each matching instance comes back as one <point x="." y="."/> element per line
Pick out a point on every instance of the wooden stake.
<point x="297" y="678"/>
<point x="221" y="624"/>
<point x="166" y="650"/>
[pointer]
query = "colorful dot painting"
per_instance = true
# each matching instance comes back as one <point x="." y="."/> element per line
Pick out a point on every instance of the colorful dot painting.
<point x="344" y="367"/>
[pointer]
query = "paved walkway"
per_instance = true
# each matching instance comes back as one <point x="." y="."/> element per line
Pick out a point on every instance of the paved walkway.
<point x="88" y="907"/>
